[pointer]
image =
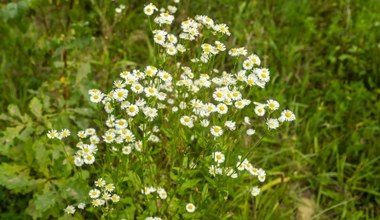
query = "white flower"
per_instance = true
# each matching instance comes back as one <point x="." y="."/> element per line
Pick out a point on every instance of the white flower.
<point x="81" y="205"/>
<point x="120" y="94"/>
<point x="187" y="121"/>
<point x="272" y="123"/>
<point x="162" y="193"/>
<point x="263" y="74"/>
<point x="88" y="159"/>
<point x="247" y="64"/>
<point x="246" y="120"/>
<point x="96" y="97"/>
<point x="222" y="108"/>
<point x="109" y="136"/>
<point x="255" y="191"/>
<point x="94" y="193"/>
<point x="98" y="202"/>
<point x="230" y="125"/>
<point x="109" y="187"/>
<point x="171" y="50"/>
<point x="218" y="157"/>
<point x="254" y="59"/>
<point x="121" y="124"/>
<point x="216" y="131"/>
<point x="250" y="132"/>
<point x="190" y="207"/>
<point x="139" y="146"/>
<point x="78" y="161"/>
<point x="273" y="104"/>
<point x="100" y="182"/>
<point x="132" y="110"/>
<point x="287" y="115"/>
<point x="222" y="28"/>
<point x="52" y="134"/>
<point x="149" y="9"/>
<point x="115" y="198"/>
<point x="160" y="37"/>
<point x="150" y="112"/>
<point x="260" y="110"/>
<point x="205" y="122"/>
<point x="70" y="209"/>
<point x="137" y="88"/>
<point x="126" y="150"/>
<point x="150" y="91"/>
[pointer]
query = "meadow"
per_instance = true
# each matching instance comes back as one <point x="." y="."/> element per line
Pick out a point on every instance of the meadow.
<point x="323" y="58"/>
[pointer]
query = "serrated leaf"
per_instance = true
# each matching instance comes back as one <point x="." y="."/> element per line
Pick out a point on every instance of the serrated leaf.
<point x="16" y="178"/>
<point x="5" y="117"/>
<point x="8" y="136"/>
<point x="45" y="200"/>
<point x="35" y="107"/>
<point x="14" y="111"/>
<point x="83" y="70"/>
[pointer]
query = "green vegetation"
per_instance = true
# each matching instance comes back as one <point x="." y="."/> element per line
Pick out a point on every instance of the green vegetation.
<point x="324" y="62"/>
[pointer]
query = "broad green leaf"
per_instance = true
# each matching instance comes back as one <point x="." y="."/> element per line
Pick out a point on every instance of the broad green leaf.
<point x="83" y="70"/>
<point x="14" y="111"/>
<point x="35" y="107"/>
<point x="43" y="156"/>
<point x="45" y="200"/>
<point x="8" y="135"/>
<point x="16" y="178"/>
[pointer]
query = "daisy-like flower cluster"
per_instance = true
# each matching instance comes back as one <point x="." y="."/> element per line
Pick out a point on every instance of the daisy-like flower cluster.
<point x="161" y="192"/>
<point x="86" y="152"/>
<point x="183" y="88"/>
<point x="70" y="209"/>
<point x="214" y="170"/>
<point x="103" y="193"/>
<point x="54" y="134"/>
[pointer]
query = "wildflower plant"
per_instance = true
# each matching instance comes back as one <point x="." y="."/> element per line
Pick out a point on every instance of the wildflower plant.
<point x="178" y="134"/>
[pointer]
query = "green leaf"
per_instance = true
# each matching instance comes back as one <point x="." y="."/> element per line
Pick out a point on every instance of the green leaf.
<point x="45" y="200"/>
<point x="35" y="107"/>
<point x="189" y="184"/>
<point x="83" y="70"/>
<point x="16" y="178"/>
<point x="8" y="136"/>
<point x="14" y="111"/>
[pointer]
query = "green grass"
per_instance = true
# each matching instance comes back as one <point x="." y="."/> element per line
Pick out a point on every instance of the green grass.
<point x="323" y="58"/>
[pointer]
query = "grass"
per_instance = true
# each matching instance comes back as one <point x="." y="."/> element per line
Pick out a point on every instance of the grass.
<point x="323" y="58"/>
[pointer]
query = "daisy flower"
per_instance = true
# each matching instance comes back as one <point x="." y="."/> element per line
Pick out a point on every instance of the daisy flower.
<point x="273" y="104"/>
<point x="260" y="110"/>
<point x="272" y="123"/>
<point x="216" y="131"/>
<point x="287" y="115"/>
<point x="70" y="209"/>
<point x="100" y="182"/>
<point x="94" y="193"/>
<point x="126" y="150"/>
<point x="89" y="159"/>
<point x="190" y="207"/>
<point x="250" y="132"/>
<point x="52" y="134"/>
<point x="218" y="157"/>
<point x="149" y="9"/>
<point x="187" y="121"/>
<point x="255" y="191"/>
<point x="162" y="193"/>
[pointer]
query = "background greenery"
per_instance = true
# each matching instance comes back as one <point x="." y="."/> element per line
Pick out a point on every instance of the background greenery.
<point x="323" y="57"/>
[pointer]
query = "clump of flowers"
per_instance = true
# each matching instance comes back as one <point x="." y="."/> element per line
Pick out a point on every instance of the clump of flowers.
<point x="182" y="105"/>
<point x="103" y="193"/>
